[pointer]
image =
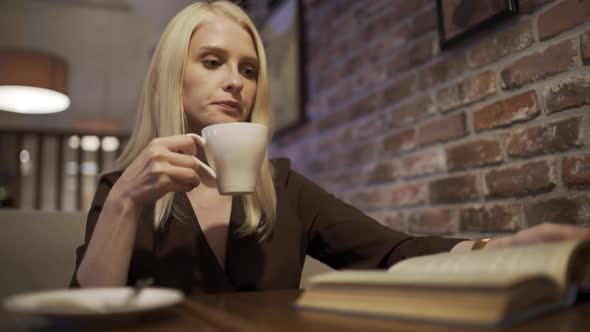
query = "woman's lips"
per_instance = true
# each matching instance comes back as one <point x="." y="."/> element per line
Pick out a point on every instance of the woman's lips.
<point x="229" y="108"/>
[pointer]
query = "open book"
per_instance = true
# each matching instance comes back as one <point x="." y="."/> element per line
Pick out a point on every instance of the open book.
<point x="495" y="287"/>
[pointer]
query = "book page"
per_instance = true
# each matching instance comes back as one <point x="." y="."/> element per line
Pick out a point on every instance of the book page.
<point x="549" y="259"/>
<point x="364" y="278"/>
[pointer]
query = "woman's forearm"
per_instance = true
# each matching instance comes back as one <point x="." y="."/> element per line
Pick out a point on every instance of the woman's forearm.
<point x="107" y="257"/>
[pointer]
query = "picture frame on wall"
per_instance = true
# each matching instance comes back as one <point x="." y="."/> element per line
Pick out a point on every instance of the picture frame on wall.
<point x="282" y="34"/>
<point x="458" y="19"/>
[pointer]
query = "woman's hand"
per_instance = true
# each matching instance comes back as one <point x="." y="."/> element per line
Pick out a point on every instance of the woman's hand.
<point x="536" y="234"/>
<point x="540" y="234"/>
<point x="167" y="164"/>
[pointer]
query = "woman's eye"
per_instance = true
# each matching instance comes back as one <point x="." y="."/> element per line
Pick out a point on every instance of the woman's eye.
<point x="249" y="72"/>
<point x="211" y="63"/>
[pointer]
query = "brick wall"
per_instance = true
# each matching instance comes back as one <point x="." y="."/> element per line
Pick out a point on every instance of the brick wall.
<point x="491" y="135"/>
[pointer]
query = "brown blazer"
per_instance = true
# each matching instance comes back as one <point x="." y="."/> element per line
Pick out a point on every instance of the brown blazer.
<point x="309" y="221"/>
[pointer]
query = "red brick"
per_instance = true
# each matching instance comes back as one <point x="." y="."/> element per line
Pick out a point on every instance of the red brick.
<point x="391" y="196"/>
<point x="443" y="129"/>
<point x="529" y="6"/>
<point x="448" y="98"/>
<point x="364" y="151"/>
<point x="327" y="79"/>
<point x="334" y="140"/>
<point x="571" y="92"/>
<point x="454" y="189"/>
<point x="419" y="53"/>
<point x="412" y="111"/>
<point x="416" y="55"/>
<point x="502" y="44"/>
<point x="385" y="171"/>
<point x="585" y="45"/>
<point x="370" y="76"/>
<point x="575" y="170"/>
<point x="442" y="71"/>
<point x="562" y="17"/>
<point x="343" y="179"/>
<point x="408" y="195"/>
<point x="392" y="219"/>
<point x="317" y="166"/>
<point x="468" y="91"/>
<point x="423" y="162"/>
<point x="478" y="86"/>
<point x="399" y="10"/>
<point x="373" y="198"/>
<point x="364" y="105"/>
<point x="565" y="210"/>
<point x="400" y="89"/>
<point x="480" y="152"/>
<point x="300" y="151"/>
<point x="374" y="124"/>
<point x="507" y="111"/>
<point x="332" y="120"/>
<point x="344" y="158"/>
<point x="314" y="106"/>
<point x="422" y="23"/>
<point x="356" y="108"/>
<point x="342" y="96"/>
<point x="381" y="47"/>
<point x="537" y="176"/>
<point x="433" y="222"/>
<point x="554" y="59"/>
<point x="549" y="137"/>
<point x="400" y="141"/>
<point x="369" y="32"/>
<point x="398" y="37"/>
<point x="295" y="135"/>
<point x="496" y="218"/>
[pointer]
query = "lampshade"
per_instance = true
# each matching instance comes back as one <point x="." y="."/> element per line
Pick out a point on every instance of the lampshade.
<point x="32" y="82"/>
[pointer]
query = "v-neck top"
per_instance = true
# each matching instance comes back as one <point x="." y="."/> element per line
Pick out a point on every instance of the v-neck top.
<point x="310" y="221"/>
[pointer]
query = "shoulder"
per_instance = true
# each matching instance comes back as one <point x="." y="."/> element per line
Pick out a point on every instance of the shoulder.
<point x="286" y="178"/>
<point x="281" y="170"/>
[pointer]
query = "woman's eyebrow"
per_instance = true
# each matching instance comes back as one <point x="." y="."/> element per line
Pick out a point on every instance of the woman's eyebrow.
<point x="224" y="52"/>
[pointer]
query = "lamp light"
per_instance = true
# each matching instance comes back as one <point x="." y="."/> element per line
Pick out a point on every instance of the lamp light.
<point x="32" y="82"/>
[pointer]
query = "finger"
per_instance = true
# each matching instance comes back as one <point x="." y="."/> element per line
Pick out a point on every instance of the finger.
<point x="166" y="185"/>
<point x="182" y="160"/>
<point x="200" y="141"/>
<point x="557" y="232"/>
<point x="573" y="232"/>
<point x="168" y="173"/>
<point x="178" y="143"/>
<point x="193" y="162"/>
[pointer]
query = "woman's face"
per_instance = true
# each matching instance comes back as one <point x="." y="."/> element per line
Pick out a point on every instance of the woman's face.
<point x="219" y="83"/>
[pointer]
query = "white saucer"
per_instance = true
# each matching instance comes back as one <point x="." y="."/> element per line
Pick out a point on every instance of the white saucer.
<point x="92" y="302"/>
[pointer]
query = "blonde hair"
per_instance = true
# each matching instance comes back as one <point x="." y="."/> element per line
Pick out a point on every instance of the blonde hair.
<point x="161" y="111"/>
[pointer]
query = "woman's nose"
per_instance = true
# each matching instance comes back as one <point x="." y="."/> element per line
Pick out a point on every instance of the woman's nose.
<point x="233" y="82"/>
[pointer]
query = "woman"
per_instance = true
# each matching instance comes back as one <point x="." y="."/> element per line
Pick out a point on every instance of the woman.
<point x="158" y="215"/>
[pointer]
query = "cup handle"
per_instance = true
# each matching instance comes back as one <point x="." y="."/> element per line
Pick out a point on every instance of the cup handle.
<point x="201" y="142"/>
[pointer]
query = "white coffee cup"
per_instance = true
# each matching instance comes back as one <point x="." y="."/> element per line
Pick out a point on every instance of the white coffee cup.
<point x="235" y="151"/>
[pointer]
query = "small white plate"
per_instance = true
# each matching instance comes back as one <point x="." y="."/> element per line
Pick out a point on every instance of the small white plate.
<point x="92" y="302"/>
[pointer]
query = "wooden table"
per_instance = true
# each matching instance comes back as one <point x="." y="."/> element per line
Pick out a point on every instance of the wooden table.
<point x="272" y="311"/>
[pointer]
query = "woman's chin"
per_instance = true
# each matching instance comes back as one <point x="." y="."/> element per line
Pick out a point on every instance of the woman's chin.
<point x="231" y="114"/>
<point x="219" y="118"/>
<point x="229" y="119"/>
<point x="224" y="119"/>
